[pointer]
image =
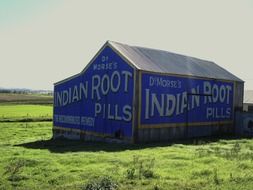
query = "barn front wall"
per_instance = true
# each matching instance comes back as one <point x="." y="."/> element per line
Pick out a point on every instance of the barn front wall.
<point x="174" y="107"/>
<point x="97" y="103"/>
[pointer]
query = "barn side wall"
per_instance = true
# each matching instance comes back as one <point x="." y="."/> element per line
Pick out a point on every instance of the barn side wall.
<point x="97" y="104"/>
<point x="167" y="131"/>
<point x="238" y="94"/>
<point x="238" y="104"/>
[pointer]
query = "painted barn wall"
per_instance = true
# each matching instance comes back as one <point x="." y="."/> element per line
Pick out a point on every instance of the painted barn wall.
<point x="66" y="105"/>
<point x="104" y="104"/>
<point x="192" y="117"/>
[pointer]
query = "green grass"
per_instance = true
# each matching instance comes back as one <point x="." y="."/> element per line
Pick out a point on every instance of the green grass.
<point x="31" y="160"/>
<point x="25" y="112"/>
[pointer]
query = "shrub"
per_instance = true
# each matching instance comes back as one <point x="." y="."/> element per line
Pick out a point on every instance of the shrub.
<point x="156" y="187"/>
<point x="16" y="164"/>
<point x="14" y="168"/>
<point x="236" y="149"/>
<point x="141" y="168"/>
<point x="130" y="173"/>
<point x="216" y="178"/>
<point x="103" y="183"/>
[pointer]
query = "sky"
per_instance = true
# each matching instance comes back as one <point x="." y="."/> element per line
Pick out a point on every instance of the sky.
<point x="45" y="41"/>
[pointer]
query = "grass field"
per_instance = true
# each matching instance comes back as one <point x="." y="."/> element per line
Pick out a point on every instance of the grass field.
<point x="30" y="159"/>
<point x="25" y="112"/>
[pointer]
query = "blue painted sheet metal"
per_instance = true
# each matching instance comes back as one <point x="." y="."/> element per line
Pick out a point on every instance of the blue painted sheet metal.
<point x="174" y="100"/>
<point x="99" y="100"/>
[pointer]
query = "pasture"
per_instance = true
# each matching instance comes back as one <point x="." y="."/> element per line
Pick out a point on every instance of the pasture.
<point x="30" y="159"/>
<point x="12" y="98"/>
<point x="11" y="113"/>
<point x="25" y="107"/>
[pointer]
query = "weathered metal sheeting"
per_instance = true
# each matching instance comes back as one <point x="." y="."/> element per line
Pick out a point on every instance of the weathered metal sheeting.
<point x="166" y="62"/>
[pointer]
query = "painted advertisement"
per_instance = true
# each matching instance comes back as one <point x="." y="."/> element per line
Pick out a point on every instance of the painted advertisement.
<point x="173" y="100"/>
<point x="99" y="100"/>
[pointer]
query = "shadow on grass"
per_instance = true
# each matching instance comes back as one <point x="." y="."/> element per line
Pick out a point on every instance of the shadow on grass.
<point x="32" y="119"/>
<point x="65" y="145"/>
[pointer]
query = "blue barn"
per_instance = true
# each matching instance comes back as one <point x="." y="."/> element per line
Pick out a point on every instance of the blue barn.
<point x="135" y="94"/>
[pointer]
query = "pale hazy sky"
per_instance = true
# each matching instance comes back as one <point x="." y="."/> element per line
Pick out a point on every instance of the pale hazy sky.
<point x="42" y="42"/>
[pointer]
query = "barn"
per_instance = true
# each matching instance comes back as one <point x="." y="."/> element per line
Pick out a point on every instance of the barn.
<point x="135" y="94"/>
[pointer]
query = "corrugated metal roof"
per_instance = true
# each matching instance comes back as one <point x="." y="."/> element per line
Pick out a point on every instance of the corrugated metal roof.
<point x="166" y="62"/>
<point x="248" y="97"/>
